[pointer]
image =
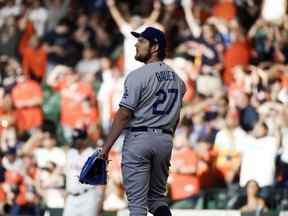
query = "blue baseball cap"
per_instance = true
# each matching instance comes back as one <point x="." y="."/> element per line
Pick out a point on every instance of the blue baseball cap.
<point x="154" y="35"/>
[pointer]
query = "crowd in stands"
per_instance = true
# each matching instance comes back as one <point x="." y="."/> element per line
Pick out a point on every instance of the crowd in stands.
<point x="62" y="68"/>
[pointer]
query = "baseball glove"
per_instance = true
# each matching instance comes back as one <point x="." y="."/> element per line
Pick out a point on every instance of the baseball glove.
<point x="94" y="170"/>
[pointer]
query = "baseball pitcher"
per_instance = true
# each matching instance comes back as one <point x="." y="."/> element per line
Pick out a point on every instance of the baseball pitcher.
<point x="148" y="114"/>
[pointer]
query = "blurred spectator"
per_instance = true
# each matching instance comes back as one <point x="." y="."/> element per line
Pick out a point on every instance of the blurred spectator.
<point x="283" y="166"/>
<point x="184" y="182"/>
<point x="11" y="162"/>
<point x="135" y="23"/>
<point x="204" y="38"/>
<point x="10" y="9"/>
<point x="27" y="197"/>
<point x="10" y="70"/>
<point x="224" y="9"/>
<point x="56" y="11"/>
<point x="274" y="12"/>
<point x="60" y="46"/>
<point x="247" y="12"/>
<point x="90" y="62"/>
<point x="266" y="147"/>
<point x="27" y="32"/>
<point x="110" y="92"/>
<point x="34" y="59"/>
<point x="237" y="53"/>
<point x="84" y="33"/>
<point x="51" y="185"/>
<point x="9" y="37"/>
<point x="247" y="113"/>
<point x="81" y="199"/>
<point x="19" y="188"/>
<point x="78" y="105"/>
<point x="38" y="14"/>
<point x="8" y="137"/>
<point x="228" y="144"/>
<point x="254" y="203"/>
<point x="47" y="151"/>
<point x="115" y="199"/>
<point x="27" y="98"/>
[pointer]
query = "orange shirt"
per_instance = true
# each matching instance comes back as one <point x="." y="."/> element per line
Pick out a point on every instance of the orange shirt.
<point x="208" y="174"/>
<point x="237" y="54"/>
<point x="31" y="116"/>
<point x="183" y="186"/>
<point x="28" y="32"/>
<point x="12" y="177"/>
<point x="2" y="195"/>
<point x="227" y="160"/>
<point x="284" y="79"/>
<point x="21" y="197"/>
<point x="190" y="91"/>
<point x="34" y="61"/>
<point x="75" y="113"/>
<point x="225" y="10"/>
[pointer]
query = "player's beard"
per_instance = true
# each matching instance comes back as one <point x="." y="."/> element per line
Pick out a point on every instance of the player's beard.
<point x="142" y="58"/>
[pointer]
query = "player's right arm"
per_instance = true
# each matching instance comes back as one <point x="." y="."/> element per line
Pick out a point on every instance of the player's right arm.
<point x="115" y="13"/>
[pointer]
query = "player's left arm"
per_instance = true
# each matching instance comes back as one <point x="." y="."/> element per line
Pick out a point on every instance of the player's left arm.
<point x="122" y="117"/>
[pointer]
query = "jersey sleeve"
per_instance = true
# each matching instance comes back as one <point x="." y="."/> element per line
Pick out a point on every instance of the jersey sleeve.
<point x="131" y="93"/>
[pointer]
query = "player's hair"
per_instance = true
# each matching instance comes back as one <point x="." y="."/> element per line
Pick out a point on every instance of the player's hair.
<point x="161" y="52"/>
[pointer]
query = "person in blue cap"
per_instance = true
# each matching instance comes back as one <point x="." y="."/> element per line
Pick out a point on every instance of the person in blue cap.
<point x="148" y="114"/>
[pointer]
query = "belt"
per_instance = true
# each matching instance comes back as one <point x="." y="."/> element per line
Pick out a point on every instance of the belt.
<point x="152" y="129"/>
<point x="78" y="194"/>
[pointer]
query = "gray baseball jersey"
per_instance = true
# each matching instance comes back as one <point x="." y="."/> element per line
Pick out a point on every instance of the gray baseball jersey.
<point x="154" y="92"/>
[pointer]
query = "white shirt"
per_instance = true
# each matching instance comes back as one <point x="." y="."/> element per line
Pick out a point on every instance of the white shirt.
<point x="74" y="164"/>
<point x="225" y="140"/>
<point x="284" y="153"/>
<point x="113" y="202"/>
<point x="16" y="166"/>
<point x="9" y="11"/>
<point x="274" y="10"/>
<point x="130" y="63"/>
<point x="88" y="66"/>
<point x="56" y="155"/>
<point x="258" y="161"/>
<point x="109" y="96"/>
<point x="39" y="18"/>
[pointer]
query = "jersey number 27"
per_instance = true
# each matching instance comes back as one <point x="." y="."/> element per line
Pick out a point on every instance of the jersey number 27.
<point x="162" y="96"/>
